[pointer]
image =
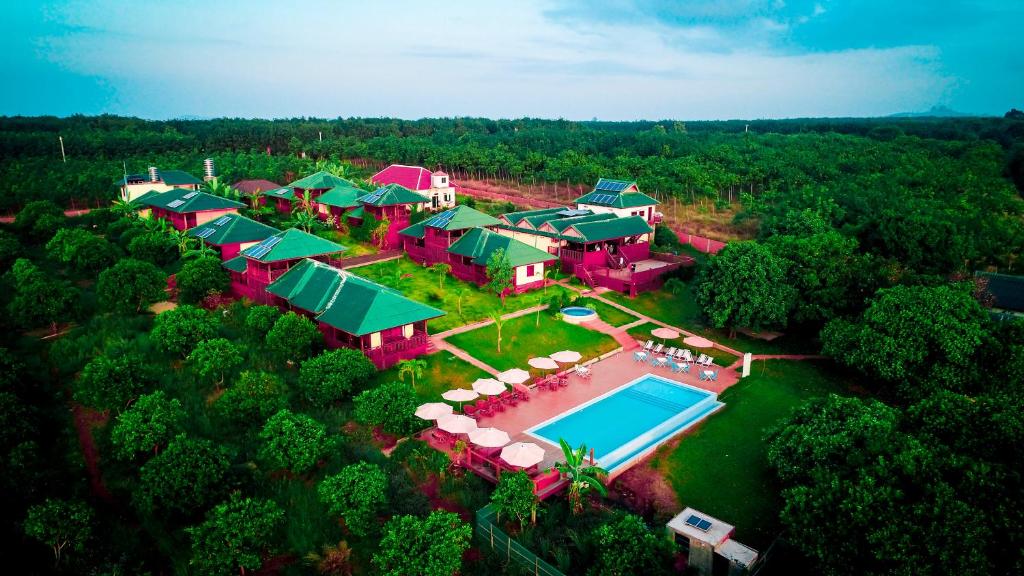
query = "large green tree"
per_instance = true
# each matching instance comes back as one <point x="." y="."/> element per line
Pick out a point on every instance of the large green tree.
<point x="180" y="330"/>
<point x="745" y="286"/>
<point x="294" y="442"/>
<point x="112" y="382"/>
<point x="333" y="375"/>
<point x="357" y="493"/>
<point x="130" y="285"/>
<point x="924" y="336"/>
<point x="151" y="422"/>
<point x="260" y="319"/>
<point x="499" y="273"/>
<point x="84" y="251"/>
<point x="515" y="498"/>
<point x="155" y="246"/>
<point x="390" y="405"/>
<point x="431" y="546"/>
<point x="235" y="536"/>
<point x="184" y="477"/>
<point x="293" y="337"/>
<point x="215" y="358"/>
<point x="201" y="277"/>
<point x="253" y="398"/>
<point x="627" y="546"/>
<point x="39" y="299"/>
<point x="61" y="524"/>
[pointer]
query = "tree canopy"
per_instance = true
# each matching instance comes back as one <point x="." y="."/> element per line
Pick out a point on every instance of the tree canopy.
<point x="61" y="524"/>
<point x="112" y="382"/>
<point x="294" y="442"/>
<point x="201" y="277"/>
<point x="184" y="477"/>
<point x="151" y="422"/>
<point x="333" y="375"/>
<point x="130" y="285"/>
<point x="390" y="405"/>
<point x="235" y="536"/>
<point x="180" y="330"/>
<point x="431" y="546"/>
<point x="745" y="286"/>
<point x="253" y="398"/>
<point x="293" y="337"/>
<point x="356" y="493"/>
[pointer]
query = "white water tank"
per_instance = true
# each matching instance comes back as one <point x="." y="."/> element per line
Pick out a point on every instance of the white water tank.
<point x="154" y="174"/>
<point x="208" y="171"/>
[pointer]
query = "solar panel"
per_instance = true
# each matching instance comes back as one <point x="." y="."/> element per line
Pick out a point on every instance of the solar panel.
<point x="281" y="192"/>
<point x="190" y="195"/>
<point x="373" y="196"/>
<point x="704" y="525"/>
<point x="176" y="203"/>
<point x="260" y="250"/>
<point x="205" y="233"/>
<point x="222" y="220"/>
<point x="698" y="523"/>
<point x="611" y="185"/>
<point x="442" y="219"/>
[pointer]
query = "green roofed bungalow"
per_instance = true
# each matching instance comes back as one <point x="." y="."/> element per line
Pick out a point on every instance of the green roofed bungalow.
<point x="184" y="208"/>
<point x="135" y="185"/>
<point x="427" y="242"/>
<point x="232" y="233"/>
<point x="608" y="229"/>
<point x="280" y="198"/>
<point x="339" y="200"/>
<point x="470" y="254"/>
<point x="516" y="219"/>
<point x="272" y="257"/>
<point x="621" y="197"/>
<point x="319" y="182"/>
<point x="393" y="203"/>
<point x="355" y="312"/>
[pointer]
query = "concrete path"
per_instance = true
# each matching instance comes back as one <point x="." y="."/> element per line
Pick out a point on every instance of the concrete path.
<point x="441" y="344"/>
<point x="619" y="334"/>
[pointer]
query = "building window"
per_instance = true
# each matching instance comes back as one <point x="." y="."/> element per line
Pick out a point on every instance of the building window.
<point x="530" y="270"/>
<point x="375" y="340"/>
<point x="407" y="331"/>
<point x="444" y="180"/>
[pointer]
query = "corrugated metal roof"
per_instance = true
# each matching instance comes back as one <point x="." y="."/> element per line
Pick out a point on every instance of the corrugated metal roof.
<point x="480" y="243"/>
<point x="183" y="201"/>
<point x="233" y="228"/>
<point x="289" y="245"/>
<point x="319" y="181"/>
<point x="392" y="195"/>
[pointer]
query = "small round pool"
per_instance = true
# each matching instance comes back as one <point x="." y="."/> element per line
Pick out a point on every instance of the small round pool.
<point x="577" y="314"/>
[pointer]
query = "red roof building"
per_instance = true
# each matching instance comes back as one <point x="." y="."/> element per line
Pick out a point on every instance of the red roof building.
<point x="435" y="186"/>
<point x="253" y="187"/>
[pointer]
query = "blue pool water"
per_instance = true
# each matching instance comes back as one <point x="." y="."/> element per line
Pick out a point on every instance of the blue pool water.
<point x="577" y="311"/>
<point x="631" y="419"/>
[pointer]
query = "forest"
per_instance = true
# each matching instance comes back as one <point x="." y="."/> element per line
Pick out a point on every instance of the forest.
<point x="861" y="240"/>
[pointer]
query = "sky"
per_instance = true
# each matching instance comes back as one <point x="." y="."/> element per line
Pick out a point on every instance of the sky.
<point x="605" y="59"/>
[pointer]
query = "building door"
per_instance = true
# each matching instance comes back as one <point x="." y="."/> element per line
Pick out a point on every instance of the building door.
<point x="433" y="201"/>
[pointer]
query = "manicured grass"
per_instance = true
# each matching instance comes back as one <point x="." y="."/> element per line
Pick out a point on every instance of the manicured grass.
<point x="443" y="372"/>
<point x="477" y="303"/>
<point x="682" y="310"/>
<point x="355" y="248"/>
<point x="609" y="314"/>
<point x="642" y="333"/>
<point x="721" y="467"/>
<point x="522" y="339"/>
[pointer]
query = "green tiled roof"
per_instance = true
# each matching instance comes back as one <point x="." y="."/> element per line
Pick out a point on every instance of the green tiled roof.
<point x="529" y="231"/>
<point x="232" y="228"/>
<point x="458" y="218"/>
<point x="182" y="201"/>
<point x="319" y="181"/>
<point x="146" y="196"/>
<point x="607" y="229"/>
<point x="391" y="195"/>
<point x="623" y="200"/>
<point x="514" y="218"/>
<point x="358" y="212"/>
<point x="236" y="264"/>
<point x="290" y="244"/>
<point x="283" y="192"/>
<point x="480" y="243"/>
<point x="343" y="196"/>
<point x="346" y="301"/>
<point x="563" y="223"/>
<point x="169" y="177"/>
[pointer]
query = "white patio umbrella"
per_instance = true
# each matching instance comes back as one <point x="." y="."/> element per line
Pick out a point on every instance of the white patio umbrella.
<point x="460" y="395"/>
<point x="698" y="342"/>
<point x="543" y="362"/>
<point x="522" y="454"/>
<point x="488" y="437"/>
<point x="666" y="333"/>
<point x="456" y="424"/>
<point x="488" y="386"/>
<point x="514" y="376"/>
<point x="433" y="410"/>
<point x="566" y="356"/>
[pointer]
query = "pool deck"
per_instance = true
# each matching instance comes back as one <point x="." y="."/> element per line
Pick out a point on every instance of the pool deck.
<point x="608" y="374"/>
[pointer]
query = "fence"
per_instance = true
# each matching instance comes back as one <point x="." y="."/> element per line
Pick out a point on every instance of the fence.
<point x="493" y="537"/>
<point x="702" y="244"/>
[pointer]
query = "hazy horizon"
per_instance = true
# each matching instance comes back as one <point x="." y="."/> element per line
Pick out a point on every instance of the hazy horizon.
<point x="614" y="60"/>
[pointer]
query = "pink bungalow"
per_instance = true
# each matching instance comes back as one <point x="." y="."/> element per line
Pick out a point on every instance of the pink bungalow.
<point x="257" y="266"/>
<point x="436" y="187"/>
<point x="184" y="209"/>
<point x="393" y="202"/>
<point x="427" y="242"/>
<point x="469" y="256"/>
<point x="353" y="312"/>
<point x="232" y="233"/>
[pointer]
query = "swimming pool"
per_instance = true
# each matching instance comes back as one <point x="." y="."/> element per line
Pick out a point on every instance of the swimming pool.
<point x="630" y="421"/>
<point x="578" y="314"/>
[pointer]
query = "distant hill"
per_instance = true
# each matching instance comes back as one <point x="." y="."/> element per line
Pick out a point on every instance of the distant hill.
<point x="935" y="112"/>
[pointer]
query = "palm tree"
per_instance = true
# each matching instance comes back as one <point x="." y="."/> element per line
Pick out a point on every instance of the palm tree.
<point x="156" y="224"/>
<point x="547" y="274"/>
<point x="495" y="316"/>
<point x="305" y="220"/>
<point x="460" y="294"/>
<point x="203" y="250"/>
<point x="380" y="233"/>
<point x="125" y="208"/>
<point x="442" y="270"/>
<point x="582" y="477"/>
<point x="183" y="239"/>
<point x="332" y="560"/>
<point x="674" y="286"/>
<point x="218" y="188"/>
<point x="304" y="203"/>
<point x="413" y="368"/>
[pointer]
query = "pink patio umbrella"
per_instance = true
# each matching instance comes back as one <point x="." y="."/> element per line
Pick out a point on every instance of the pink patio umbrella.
<point x="522" y="454"/>
<point x="543" y="363"/>
<point x="460" y="395"/>
<point x="488" y="386"/>
<point x="666" y="333"/>
<point x="514" y="376"/>
<point x="698" y="342"/>
<point x="489" y="437"/>
<point x="456" y="424"/>
<point x="566" y="356"/>
<point x="433" y="410"/>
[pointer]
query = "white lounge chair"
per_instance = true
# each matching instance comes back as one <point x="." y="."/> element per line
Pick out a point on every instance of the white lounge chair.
<point x="671" y="352"/>
<point x="687" y="356"/>
<point x="582" y="371"/>
<point x="650" y="343"/>
<point x="657" y="349"/>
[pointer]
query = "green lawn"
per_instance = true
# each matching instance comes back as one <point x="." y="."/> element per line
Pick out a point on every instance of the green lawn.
<point x="642" y="333"/>
<point x="522" y="339"/>
<point x="355" y="248"/>
<point x="721" y="468"/>
<point x="443" y="372"/>
<point x="682" y="310"/>
<point x="421" y="285"/>
<point x="608" y="313"/>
